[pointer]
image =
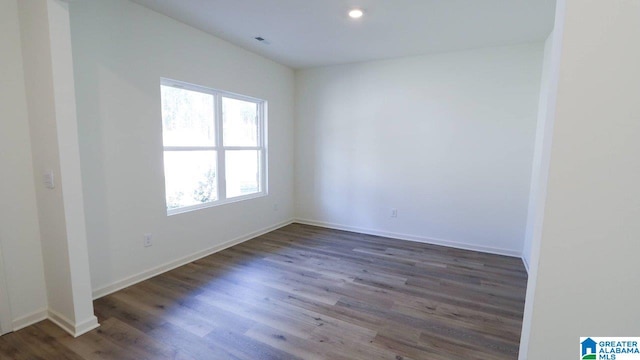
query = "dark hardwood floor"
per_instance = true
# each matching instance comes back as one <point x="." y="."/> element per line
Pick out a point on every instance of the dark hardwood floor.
<point x="304" y="292"/>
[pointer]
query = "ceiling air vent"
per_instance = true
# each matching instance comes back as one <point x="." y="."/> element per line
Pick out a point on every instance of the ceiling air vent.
<point x="262" y="40"/>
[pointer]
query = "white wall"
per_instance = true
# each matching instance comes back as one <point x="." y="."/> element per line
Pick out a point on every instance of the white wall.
<point x="50" y="94"/>
<point x="539" y="170"/>
<point x="121" y="50"/>
<point x="445" y="139"/>
<point x="19" y="228"/>
<point x="587" y="264"/>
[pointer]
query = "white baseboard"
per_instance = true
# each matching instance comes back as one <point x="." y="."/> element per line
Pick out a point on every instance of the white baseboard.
<point x="67" y="325"/>
<point x="30" y="319"/>
<point x="74" y="329"/>
<point x="86" y="326"/>
<point x="144" y="275"/>
<point x="92" y="322"/>
<point x="421" y="239"/>
<point x="134" y="279"/>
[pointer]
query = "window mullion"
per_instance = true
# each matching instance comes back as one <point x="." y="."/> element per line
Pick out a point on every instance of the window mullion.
<point x="222" y="182"/>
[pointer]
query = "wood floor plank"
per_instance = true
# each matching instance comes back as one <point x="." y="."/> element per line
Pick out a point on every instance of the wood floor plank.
<point x="304" y="292"/>
<point x="19" y="345"/>
<point x="189" y="344"/>
<point x="135" y="341"/>
<point x="246" y="347"/>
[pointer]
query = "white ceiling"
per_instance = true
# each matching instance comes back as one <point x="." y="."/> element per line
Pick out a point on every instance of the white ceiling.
<point x="308" y="33"/>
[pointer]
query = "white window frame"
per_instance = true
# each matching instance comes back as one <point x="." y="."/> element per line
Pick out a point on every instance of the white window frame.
<point x="219" y="147"/>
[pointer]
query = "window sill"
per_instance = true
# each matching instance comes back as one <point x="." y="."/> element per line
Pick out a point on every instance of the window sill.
<point x="186" y="209"/>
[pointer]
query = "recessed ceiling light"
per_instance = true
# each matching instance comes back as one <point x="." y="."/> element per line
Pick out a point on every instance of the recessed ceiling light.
<point x="356" y="14"/>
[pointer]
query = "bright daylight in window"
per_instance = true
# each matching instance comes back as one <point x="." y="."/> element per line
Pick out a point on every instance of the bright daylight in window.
<point x="214" y="146"/>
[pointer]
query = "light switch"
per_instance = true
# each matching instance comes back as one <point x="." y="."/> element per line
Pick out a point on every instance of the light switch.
<point x="49" y="182"/>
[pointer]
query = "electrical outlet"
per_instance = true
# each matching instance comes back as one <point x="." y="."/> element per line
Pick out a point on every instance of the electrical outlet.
<point x="148" y="240"/>
<point x="394" y="213"/>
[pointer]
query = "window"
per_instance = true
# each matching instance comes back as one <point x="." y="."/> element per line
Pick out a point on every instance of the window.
<point x="214" y="146"/>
